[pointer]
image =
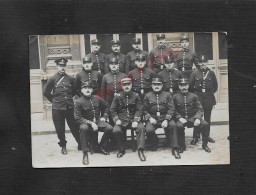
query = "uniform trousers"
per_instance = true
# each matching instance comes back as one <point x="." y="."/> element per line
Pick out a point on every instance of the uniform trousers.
<point x="86" y="136"/>
<point x="59" y="117"/>
<point x="119" y="132"/>
<point x="170" y="132"/>
<point x="202" y="128"/>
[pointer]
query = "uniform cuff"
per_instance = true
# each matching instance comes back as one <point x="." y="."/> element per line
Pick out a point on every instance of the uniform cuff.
<point x="147" y="117"/>
<point x="168" y="117"/>
<point x="137" y="119"/>
<point x="105" y="115"/>
<point x="115" y="118"/>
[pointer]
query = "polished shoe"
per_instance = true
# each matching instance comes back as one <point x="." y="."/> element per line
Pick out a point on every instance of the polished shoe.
<point x="120" y="153"/>
<point x="194" y="141"/>
<point x="103" y="151"/>
<point x="211" y="140"/>
<point x="64" y="150"/>
<point x="85" y="159"/>
<point x="79" y="147"/>
<point x="206" y="148"/>
<point x="175" y="153"/>
<point x="141" y="155"/>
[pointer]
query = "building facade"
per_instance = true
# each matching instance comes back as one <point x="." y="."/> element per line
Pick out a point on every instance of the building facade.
<point x="44" y="49"/>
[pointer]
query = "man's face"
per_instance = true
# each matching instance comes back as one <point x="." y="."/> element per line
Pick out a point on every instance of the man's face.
<point x="96" y="47"/>
<point x="140" y="63"/>
<point x="160" y="42"/>
<point x="113" y="66"/>
<point x="183" y="88"/>
<point x="116" y="48"/>
<point x="61" y="68"/>
<point x="87" y="91"/>
<point x="136" y="46"/>
<point x="169" y="65"/>
<point x="127" y="87"/>
<point x="202" y="65"/>
<point x="87" y="65"/>
<point x="157" y="87"/>
<point x="185" y="44"/>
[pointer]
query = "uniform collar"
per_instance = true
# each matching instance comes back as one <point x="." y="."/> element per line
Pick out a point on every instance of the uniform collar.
<point x="61" y="74"/>
<point x="87" y="97"/>
<point x="185" y="49"/>
<point x="114" y="72"/>
<point x="127" y="93"/>
<point x="95" y="52"/>
<point x="159" y="92"/>
<point x="161" y="47"/>
<point x="87" y="70"/>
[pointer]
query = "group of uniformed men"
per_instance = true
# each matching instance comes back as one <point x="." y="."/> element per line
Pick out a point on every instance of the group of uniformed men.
<point x="140" y="92"/>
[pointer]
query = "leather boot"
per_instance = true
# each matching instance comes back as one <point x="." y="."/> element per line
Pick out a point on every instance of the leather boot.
<point x="141" y="155"/>
<point x="175" y="153"/>
<point x="64" y="150"/>
<point x="85" y="159"/>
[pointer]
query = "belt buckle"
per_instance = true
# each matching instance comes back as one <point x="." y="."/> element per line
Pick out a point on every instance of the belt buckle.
<point x="157" y="113"/>
<point x="142" y="91"/>
<point x="171" y="91"/>
<point x="203" y="90"/>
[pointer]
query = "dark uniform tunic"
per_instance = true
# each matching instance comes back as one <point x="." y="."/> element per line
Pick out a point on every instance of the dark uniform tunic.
<point x="127" y="107"/>
<point x="204" y="84"/>
<point x="160" y="107"/>
<point x="188" y="106"/>
<point x="122" y="59"/>
<point x="170" y="79"/>
<point x="141" y="80"/>
<point x="184" y="62"/>
<point x="91" y="76"/>
<point x="131" y="56"/>
<point x="156" y="58"/>
<point x="87" y="110"/>
<point x="98" y="60"/>
<point x="59" y="90"/>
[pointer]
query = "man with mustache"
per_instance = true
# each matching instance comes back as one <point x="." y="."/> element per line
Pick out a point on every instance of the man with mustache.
<point x="185" y="58"/>
<point x="141" y="76"/>
<point x="126" y="111"/>
<point x="98" y="58"/>
<point x="122" y="59"/>
<point x="59" y="90"/>
<point x="170" y="76"/>
<point x="189" y="113"/>
<point x="131" y="56"/>
<point x="88" y="109"/>
<point x="157" y="55"/>
<point x="159" y="112"/>
<point x="204" y="83"/>
<point x="87" y="74"/>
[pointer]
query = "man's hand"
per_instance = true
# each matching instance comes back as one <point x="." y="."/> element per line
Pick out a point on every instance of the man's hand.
<point x="102" y="119"/>
<point x="182" y="120"/>
<point x="197" y="122"/>
<point x="118" y="122"/>
<point x="94" y="126"/>
<point x="164" y="124"/>
<point x="134" y="124"/>
<point x="152" y="120"/>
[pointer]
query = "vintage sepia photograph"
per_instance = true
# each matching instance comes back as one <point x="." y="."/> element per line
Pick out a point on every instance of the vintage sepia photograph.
<point x="134" y="99"/>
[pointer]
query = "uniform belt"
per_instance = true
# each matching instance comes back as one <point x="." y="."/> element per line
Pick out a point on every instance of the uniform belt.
<point x="186" y="68"/>
<point x="206" y="91"/>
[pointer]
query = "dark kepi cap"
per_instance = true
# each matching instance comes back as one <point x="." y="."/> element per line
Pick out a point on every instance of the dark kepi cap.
<point x="184" y="37"/>
<point x="113" y="61"/>
<point x="168" y="60"/>
<point x="96" y="41"/>
<point x="87" y="59"/>
<point x="202" y="59"/>
<point x="136" y="40"/>
<point x="156" y="80"/>
<point x="61" y="62"/>
<point x="86" y="84"/>
<point x="115" y="42"/>
<point x="141" y="57"/>
<point x="160" y="37"/>
<point x="126" y="80"/>
<point x="183" y="81"/>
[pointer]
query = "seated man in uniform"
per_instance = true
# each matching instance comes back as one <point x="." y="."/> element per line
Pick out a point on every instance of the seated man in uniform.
<point x="87" y="114"/>
<point x="126" y="110"/>
<point x="159" y="112"/>
<point x="189" y="113"/>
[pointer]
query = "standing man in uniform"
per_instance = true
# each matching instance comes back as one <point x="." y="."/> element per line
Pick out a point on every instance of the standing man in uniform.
<point x="204" y="83"/>
<point x="59" y="90"/>
<point x="87" y="114"/>
<point x="98" y="59"/>
<point x="122" y="59"/>
<point x="159" y="112"/>
<point x="157" y="55"/>
<point x="189" y="112"/>
<point x="126" y="111"/>
<point x="170" y="76"/>
<point x="87" y="74"/>
<point x="131" y="56"/>
<point x="141" y="76"/>
<point x="186" y="58"/>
